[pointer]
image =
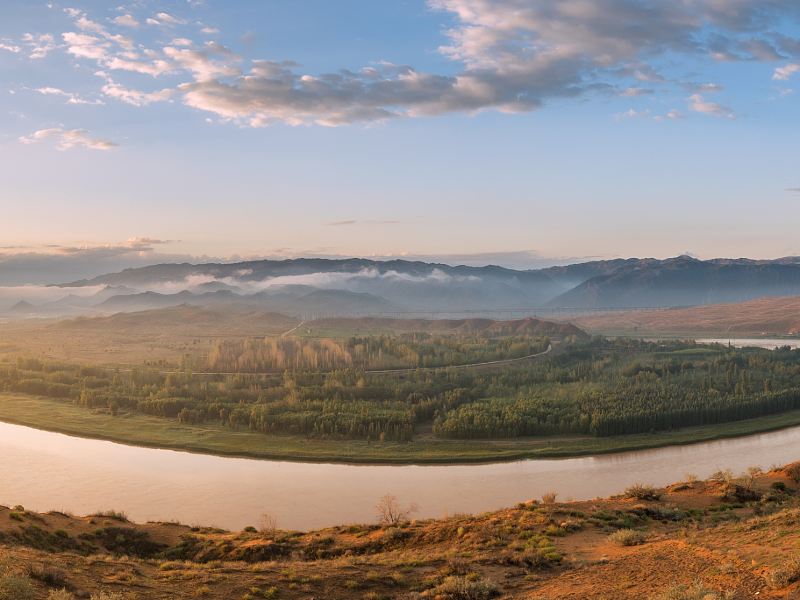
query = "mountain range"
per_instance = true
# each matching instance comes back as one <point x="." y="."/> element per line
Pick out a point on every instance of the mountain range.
<point x="322" y="287"/>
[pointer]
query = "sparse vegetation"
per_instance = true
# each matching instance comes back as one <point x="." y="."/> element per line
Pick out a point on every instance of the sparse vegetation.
<point x="786" y="573"/>
<point x="627" y="537"/>
<point x="697" y="591"/>
<point x="642" y="492"/>
<point x="691" y="542"/>
<point x="462" y="588"/>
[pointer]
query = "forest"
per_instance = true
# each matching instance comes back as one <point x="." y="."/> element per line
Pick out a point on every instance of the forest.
<point x="596" y="387"/>
<point x="412" y="350"/>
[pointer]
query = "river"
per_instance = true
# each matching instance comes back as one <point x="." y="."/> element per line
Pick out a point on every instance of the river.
<point x="50" y="471"/>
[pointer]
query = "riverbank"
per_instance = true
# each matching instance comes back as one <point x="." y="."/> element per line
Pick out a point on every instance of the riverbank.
<point x="153" y="432"/>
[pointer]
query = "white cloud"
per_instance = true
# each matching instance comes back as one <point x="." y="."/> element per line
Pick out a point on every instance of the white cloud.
<point x="516" y="55"/>
<point x="40" y="44"/>
<point x="154" y="68"/>
<point x="700" y="105"/>
<point x="86" y="24"/>
<point x="135" y="97"/>
<point x="209" y="30"/>
<point x="672" y="115"/>
<point x="126" y="20"/>
<point x="632" y="114"/>
<point x="785" y="72"/>
<point x="71" y="98"/>
<point x="85" y="46"/>
<point x="201" y="63"/>
<point x="9" y="47"/>
<point x="67" y="139"/>
<point x="508" y="55"/>
<point x="164" y="18"/>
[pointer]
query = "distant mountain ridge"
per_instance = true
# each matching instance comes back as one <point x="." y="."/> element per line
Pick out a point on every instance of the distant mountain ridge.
<point x="684" y="281"/>
<point x="358" y="286"/>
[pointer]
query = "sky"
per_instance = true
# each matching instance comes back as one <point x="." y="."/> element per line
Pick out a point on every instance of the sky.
<point x="515" y="132"/>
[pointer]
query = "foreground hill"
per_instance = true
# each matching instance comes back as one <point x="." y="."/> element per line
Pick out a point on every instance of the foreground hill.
<point x="764" y="316"/>
<point x="715" y="540"/>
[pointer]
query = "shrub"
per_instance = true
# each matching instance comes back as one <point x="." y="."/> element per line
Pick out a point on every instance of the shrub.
<point x="549" y="498"/>
<point x="268" y="525"/>
<point x="722" y="476"/>
<point x="461" y="588"/>
<point x="107" y="596"/>
<point x="627" y="537"/>
<point x="15" y="587"/>
<point x="117" y="515"/>
<point x="61" y="594"/>
<point x="683" y="592"/>
<point x="779" y="486"/>
<point x="51" y="577"/>
<point x="793" y="472"/>
<point x="642" y="492"/>
<point x="786" y="573"/>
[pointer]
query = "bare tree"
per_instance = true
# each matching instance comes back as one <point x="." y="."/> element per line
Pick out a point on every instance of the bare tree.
<point x="749" y="477"/>
<point x="390" y="512"/>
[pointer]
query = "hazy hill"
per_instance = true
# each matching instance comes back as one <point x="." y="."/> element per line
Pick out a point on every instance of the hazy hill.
<point x="313" y="287"/>
<point x="184" y="319"/>
<point x="683" y="281"/>
<point x="764" y="316"/>
<point x="375" y="325"/>
<point x="300" y="301"/>
<point x="403" y="284"/>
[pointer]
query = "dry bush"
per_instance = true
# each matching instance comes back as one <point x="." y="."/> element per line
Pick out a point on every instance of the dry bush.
<point x="698" y="591"/>
<point x="13" y="584"/>
<point x="722" y="476"/>
<point x="117" y="515"/>
<point x="390" y="512"/>
<point x="787" y="573"/>
<point x="268" y="524"/>
<point x="642" y="492"/>
<point x="627" y="537"/>
<point x="749" y="477"/>
<point x="107" y="596"/>
<point x="793" y="472"/>
<point x="16" y="587"/>
<point x="461" y="588"/>
<point x="549" y="498"/>
<point x="61" y="594"/>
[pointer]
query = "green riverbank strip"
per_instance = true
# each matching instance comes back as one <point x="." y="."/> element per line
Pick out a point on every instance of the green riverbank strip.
<point x="153" y="432"/>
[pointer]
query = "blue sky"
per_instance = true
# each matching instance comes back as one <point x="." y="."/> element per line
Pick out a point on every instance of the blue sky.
<point x="510" y="131"/>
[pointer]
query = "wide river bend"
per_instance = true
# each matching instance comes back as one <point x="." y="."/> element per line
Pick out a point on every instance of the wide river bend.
<point x="50" y="471"/>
